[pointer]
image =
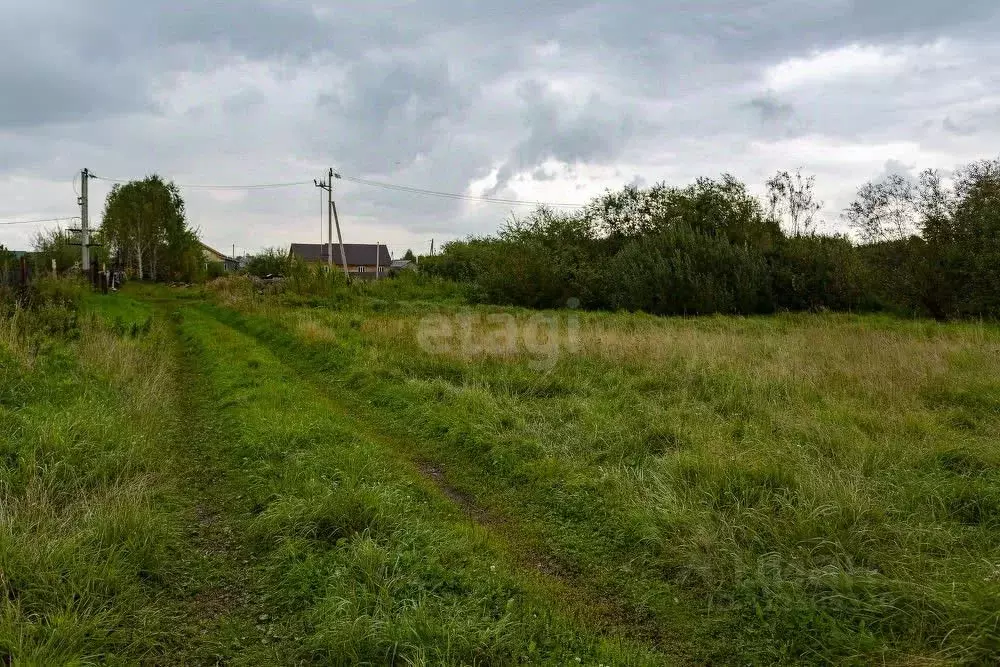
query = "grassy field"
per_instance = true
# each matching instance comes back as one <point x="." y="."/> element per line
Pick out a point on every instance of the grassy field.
<point x="388" y="476"/>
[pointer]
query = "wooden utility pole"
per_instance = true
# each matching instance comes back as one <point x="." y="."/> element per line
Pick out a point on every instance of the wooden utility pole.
<point x="84" y="222"/>
<point x="340" y="240"/>
<point x="378" y="257"/>
<point x="331" y="209"/>
<point x="329" y="218"/>
<point x="328" y="186"/>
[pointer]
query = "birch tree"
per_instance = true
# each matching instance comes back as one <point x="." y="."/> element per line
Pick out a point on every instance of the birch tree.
<point x="144" y="226"/>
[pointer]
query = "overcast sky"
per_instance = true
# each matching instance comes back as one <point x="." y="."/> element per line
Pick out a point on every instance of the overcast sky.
<point x="552" y="101"/>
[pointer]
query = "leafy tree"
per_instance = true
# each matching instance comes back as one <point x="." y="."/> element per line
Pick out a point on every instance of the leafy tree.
<point x="408" y="255"/>
<point x="790" y="199"/>
<point x="55" y="244"/>
<point x="145" y="228"/>
<point x="930" y="247"/>
<point x="272" y="261"/>
<point x="720" y="207"/>
<point x="886" y="210"/>
<point x="463" y="261"/>
<point x="726" y="209"/>
<point x="935" y="204"/>
<point x="973" y="258"/>
<point x="629" y="212"/>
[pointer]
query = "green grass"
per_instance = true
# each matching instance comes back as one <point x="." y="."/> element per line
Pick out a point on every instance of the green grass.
<point x="359" y="558"/>
<point x="118" y="310"/>
<point x="230" y="476"/>
<point x="818" y="488"/>
<point x="85" y="539"/>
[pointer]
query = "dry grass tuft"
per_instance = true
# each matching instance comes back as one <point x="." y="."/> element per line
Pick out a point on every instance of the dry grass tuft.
<point x="14" y="340"/>
<point x="312" y="330"/>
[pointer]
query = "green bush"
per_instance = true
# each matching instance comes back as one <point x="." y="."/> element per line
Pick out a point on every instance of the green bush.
<point x="460" y="260"/>
<point x="272" y="261"/>
<point x="900" y="274"/>
<point x="50" y="292"/>
<point x="819" y="273"/>
<point x="681" y="271"/>
<point x="216" y="270"/>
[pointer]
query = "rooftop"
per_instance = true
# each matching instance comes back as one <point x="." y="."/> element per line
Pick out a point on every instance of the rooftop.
<point x="358" y="254"/>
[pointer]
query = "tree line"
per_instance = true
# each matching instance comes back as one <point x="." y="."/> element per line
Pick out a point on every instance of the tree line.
<point x="928" y="247"/>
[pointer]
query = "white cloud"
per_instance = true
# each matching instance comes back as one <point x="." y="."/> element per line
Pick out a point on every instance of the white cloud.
<point x="853" y="62"/>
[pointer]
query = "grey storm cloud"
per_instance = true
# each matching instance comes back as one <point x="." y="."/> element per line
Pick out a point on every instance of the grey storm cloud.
<point x="561" y="131"/>
<point x="554" y="100"/>
<point x="771" y="109"/>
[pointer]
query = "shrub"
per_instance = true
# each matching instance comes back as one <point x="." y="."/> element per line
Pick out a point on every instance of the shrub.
<point x="272" y="261"/>
<point x="819" y="273"/>
<point x="681" y="271"/>
<point x="215" y="270"/>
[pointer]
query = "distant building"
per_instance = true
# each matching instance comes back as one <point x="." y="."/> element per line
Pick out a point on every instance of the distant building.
<point x="402" y="265"/>
<point x="361" y="257"/>
<point x="213" y="256"/>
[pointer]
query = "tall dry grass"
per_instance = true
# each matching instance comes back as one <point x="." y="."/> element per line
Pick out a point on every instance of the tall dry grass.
<point x="13" y="339"/>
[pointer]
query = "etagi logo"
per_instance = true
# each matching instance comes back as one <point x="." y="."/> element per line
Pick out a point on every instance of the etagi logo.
<point x="542" y="337"/>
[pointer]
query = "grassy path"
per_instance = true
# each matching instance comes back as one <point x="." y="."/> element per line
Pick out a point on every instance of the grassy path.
<point x="592" y="600"/>
<point x="217" y="610"/>
<point x="315" y="541"/>
<point x="642" y="606"/>
<point x="117" y="543"/>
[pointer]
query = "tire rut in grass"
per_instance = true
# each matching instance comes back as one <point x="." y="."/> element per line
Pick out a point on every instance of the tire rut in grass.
<point x="599" y="610"/>
<point x="216" y="612"/>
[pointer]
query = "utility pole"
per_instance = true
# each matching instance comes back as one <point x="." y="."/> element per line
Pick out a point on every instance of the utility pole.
<point x="378" y="257"/>
<point x="432" y="247"/>
<point x="328" y="186"/>
<point x="340" y="240"/>
<point x="336" y="220"/>
<point x="84" y="222"/>
<point x="331" y="218"/>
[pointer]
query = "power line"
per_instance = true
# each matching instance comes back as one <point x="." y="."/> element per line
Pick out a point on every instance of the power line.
<point x="376" y="184"/>
<point x="452" y="195"/>
<point x="255" y="186"/>
<point x="33" y="222"/>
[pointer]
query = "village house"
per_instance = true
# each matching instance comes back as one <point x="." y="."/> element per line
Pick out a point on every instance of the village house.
<point x="361" y="257"/>
<point x="213" y="256"/>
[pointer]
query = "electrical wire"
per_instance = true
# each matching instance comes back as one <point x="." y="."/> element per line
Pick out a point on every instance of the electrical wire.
<point x="33" y="222"/>
<point x="376" y="184"/>
<point x="256" y="186"/>
<point x="452" y="195"/>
